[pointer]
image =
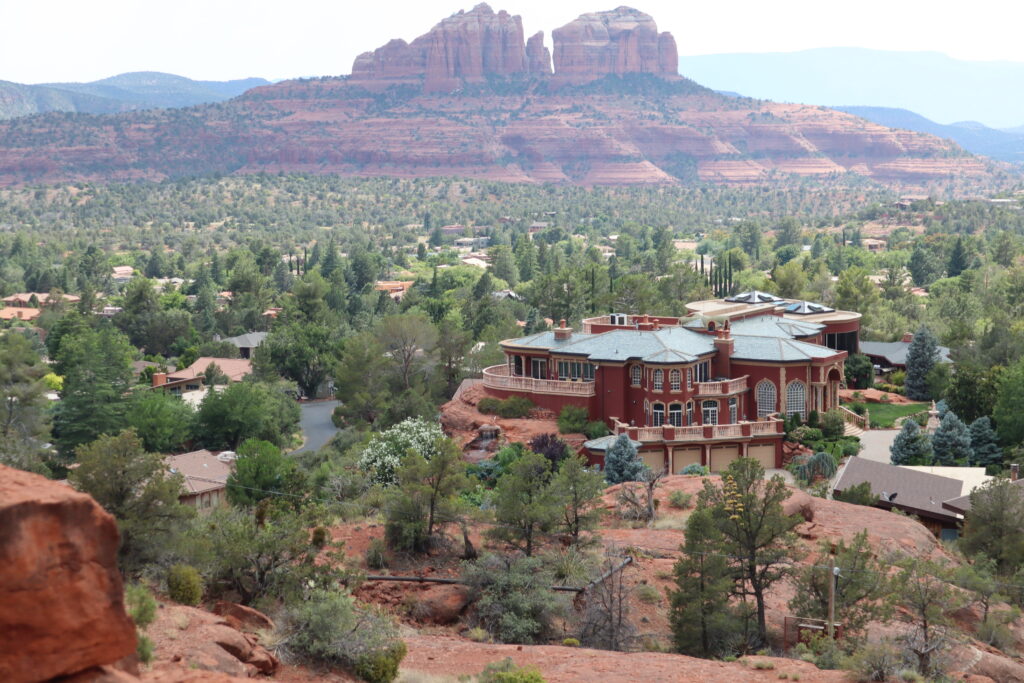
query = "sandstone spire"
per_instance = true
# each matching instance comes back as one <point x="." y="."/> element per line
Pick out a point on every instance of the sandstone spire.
<point x="620" y="41"/>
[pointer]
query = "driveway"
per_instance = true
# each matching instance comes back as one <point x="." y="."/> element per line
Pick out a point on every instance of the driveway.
<point x="315" y="421"/>
<point x="876" y="444"/>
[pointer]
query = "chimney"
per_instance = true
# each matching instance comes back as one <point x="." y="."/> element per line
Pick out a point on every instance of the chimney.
<point x="1014" y="471"/>
<point x="159" y="379"/>
<point x="562" y="333"/>
<point x="724" y="346"/>
<point x="907" y="337"/>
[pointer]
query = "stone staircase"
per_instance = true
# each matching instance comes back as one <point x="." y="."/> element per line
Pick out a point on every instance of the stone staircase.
<point x="850" y="429"/>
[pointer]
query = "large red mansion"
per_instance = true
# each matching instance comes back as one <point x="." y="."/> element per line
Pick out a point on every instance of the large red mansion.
<point x="703" y="389"/>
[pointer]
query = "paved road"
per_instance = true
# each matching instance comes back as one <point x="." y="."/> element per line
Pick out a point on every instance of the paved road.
<point x="876" y="444"/>
<point x="316" y="424"/>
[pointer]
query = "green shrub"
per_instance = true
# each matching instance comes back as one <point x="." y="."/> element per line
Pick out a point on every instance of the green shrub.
<point x="506" y="671"/>
<point x="596" y="429"/>
<point x="647" y="593"/>
<point x="875" y="661"/>
<point x="911" y="676"/>
<point x="898" y="378"/>
<point x="184" y="585"/>
<point x="331" y="629"/>
<point x="764" y="666"/>
<point x="489" y="405"/>
<point x="680" y="499"/>
<point x="380" y="666"/>
<point x="141" y="607"/>
<point x="375" y="558"/>
<point x="478" y="635"/>
<point x="813" y="419"/>
<point x="571" y="642"/>
<point x="696" y="470"/>
<point x="515" y="407"/>
<point x="572" y="419"/>
<point x="513" y="600"/>
<point x="805" y="434"/>
<point x="832" y="424"/>
<point x="144" y="648"/>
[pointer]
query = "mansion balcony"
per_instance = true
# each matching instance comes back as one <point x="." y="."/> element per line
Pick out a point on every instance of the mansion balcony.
<point x="697" y="433"/>
<point x="498" y="377"/>
<point x="725" y="387"/>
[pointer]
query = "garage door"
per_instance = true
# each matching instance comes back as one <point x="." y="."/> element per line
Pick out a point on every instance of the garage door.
<point x="764" y="454"/>
<point x="721" y="456"/>
<point x="654" y="459"/>
<point x="681" y="457"/>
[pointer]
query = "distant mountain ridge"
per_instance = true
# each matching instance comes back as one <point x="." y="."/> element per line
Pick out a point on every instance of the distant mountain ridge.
<point x="930" y="83"/>
<point x="124" y="92"/>
<point x="975" y="137"/>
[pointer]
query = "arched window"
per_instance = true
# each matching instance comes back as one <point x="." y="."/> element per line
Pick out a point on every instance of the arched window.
<point x="657" y="415"/>
<point x="675" y="380"/>
<point x="659" y="380"/>
<point x="635" y="373"/>
<point x="796" y="399"/>
<point x="709" y="410"/>
<point x="675" y="414"/>
<point x="766" y="396"/>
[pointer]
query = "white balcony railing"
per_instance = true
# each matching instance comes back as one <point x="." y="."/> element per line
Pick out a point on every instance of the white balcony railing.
<point x="498" y="377"/>
<point x="723" y="387"/>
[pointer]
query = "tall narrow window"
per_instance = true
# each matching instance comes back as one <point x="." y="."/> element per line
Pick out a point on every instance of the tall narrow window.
<point x="733" y="405"/>
<point x="766" y="396"/>
<point x="674" y="380"/>
<point x="658" y="415"/>
<point x="634" y="375"/>
<point x="796" y="399"/>
<point x="659" y="380"/>
<point x="689" y="378"/>
<point x="675" y="415"/>
<point x="689" y="413"/>
<point x="710" y="412"/>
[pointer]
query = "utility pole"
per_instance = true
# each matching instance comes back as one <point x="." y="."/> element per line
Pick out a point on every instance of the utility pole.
<point x="833" y="576"/>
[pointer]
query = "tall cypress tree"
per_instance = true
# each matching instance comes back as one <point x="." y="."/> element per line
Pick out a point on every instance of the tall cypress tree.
<point x="921" y="358"/>
<point x="957" y="258"/>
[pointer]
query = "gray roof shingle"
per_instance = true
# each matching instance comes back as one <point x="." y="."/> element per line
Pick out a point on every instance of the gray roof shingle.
<point x="916" y="491"/>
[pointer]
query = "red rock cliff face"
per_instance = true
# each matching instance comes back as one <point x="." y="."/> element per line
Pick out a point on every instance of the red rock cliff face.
<point x="468" y="46"/>
<point x="621" y="41"/>
<point x="538" y="57"/>
<point x="61" y="598"/>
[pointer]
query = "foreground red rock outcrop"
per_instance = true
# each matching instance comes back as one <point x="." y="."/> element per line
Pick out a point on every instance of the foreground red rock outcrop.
<point x="61" y="597"/>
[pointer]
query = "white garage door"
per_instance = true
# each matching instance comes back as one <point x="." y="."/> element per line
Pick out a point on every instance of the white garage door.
<point x="764" y="454"/>
<point x="721" y="456"/>
<point x="654" y="459"/>
<point x="681" y="457"/>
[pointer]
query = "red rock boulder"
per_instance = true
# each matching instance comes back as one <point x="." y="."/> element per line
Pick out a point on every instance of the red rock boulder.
<point x="61" y="596"/>
<point x="244" y="618"/>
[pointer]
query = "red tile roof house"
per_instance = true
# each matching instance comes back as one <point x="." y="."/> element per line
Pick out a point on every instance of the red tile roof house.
<point x="206" y="475"/>
<point x="696" y="390"/>
<point x="191" y="378"/>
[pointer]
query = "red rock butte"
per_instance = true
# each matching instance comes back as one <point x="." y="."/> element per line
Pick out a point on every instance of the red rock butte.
<point x="468" y="47"/>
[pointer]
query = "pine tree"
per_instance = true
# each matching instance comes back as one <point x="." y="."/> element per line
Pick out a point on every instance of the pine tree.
<point x="957" y="258"/>
<point x="951" y="442"/>
<point x="911" y="446"/>
<point x="621" y="462"/>
<point x="985" y="449"/>
<point x="921" y="358"/>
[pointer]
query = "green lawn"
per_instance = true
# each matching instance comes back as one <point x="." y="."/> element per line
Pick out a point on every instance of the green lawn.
<point x="885" y="414"/>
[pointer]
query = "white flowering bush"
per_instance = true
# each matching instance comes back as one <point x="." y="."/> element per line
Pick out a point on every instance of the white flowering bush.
<point x="386" y="449"/>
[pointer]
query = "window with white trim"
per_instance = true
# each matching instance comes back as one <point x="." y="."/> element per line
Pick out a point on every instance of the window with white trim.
<point x="675" y="414"/>
<point x="635" y="375"/>
<point x="733" y="408"/>
<point x="575" y="370"/>
<point x="766" y="396"/>
<point x="658" y="415"/>
<point x="675" y="380"/>
<point x="659" y="380"/>
<point x="689" y="413"/>
<point x="796" y="399"/>
<point x="709" y="411"/>
<point x="689" y="378"/>
<point x="703" y="371"/>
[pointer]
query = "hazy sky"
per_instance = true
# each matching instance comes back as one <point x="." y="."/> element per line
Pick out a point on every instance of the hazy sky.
<point x="81" y="40"/>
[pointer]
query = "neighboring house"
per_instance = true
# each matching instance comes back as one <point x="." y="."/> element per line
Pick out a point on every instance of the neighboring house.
<point x="19" y="313"/>
<point x="962" y="505"/>
<point x="503" y="294"/>
<point x="872" y="244"/>
<point x="697" y="390"/>
<point x="122" y="274"/>
<point x="247" y="343"/>
<point x="396" y="289"/>
<point x="191" y="378"/>
<point x="919" y="491"/>
<point x="473" y="242"/>
<point x="206" y="476"/>
<point x="475" y="261"/>
<point x="36" y="299"/>
<point x="893" y="355"/>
